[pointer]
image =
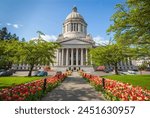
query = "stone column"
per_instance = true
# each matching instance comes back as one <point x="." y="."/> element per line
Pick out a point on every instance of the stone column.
<point x="79" y="27"/>
<point x="69" y="27"/>
<point x="67" y="57"/>
<point x="62" y="57"/>
<point x="71" y="56"/>
<point x="77" y="57"/>
<point x="58" y="57"/>
<point x="59" y="53"/>
<point x="81" y="56"/>
<point x="86" y="56"/>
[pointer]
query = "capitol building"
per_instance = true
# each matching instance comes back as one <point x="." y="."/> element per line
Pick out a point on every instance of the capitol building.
<point x="75" y="44"/>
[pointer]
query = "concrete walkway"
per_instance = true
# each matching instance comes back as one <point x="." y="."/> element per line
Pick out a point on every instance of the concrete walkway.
<point x="74" y="88"/>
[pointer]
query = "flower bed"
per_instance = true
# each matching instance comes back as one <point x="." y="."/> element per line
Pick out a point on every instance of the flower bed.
<point x="33" y="90"/>
<point x="115" y="90"/>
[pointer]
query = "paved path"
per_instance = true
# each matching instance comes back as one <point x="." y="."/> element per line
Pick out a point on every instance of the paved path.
<point x="74" y="88"/>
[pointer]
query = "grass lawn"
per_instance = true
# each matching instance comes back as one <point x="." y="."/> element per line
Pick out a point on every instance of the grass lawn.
<point x="9" y="81"/>
<point x="136" y="80"/>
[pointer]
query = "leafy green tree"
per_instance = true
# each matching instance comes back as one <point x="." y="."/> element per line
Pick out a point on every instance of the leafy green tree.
<point x="131" y="25"/>
<point x="8" y="53"/>
<point x="7" y="48"/>
<point x="36" y="52"/>
<point x="5" y="35"/>
<point x="132" y="20"/>
<point x="108" y="54"/>
<point x="2" y="50"/>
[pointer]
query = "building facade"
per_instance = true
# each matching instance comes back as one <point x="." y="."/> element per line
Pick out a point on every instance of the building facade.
<point x="75" y="44"/>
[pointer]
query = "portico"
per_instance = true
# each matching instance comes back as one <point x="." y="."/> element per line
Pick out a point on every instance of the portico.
<point x="73" y="58"/>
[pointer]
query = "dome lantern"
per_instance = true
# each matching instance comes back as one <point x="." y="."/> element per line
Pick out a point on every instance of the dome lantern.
<point x="74" y="9"/>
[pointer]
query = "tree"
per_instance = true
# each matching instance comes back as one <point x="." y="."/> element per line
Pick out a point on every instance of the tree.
<point x="5" y="35"/>
<point x="36" y="52"/>
<point x="2" y="50"/>
<point x="7" y="48"/>
<point x="131" y="24"/>
<point x="132" y="20"/>
<point x="108" y="54"/>
<point x="8" y="53"/>
<point x="142" y="67"/>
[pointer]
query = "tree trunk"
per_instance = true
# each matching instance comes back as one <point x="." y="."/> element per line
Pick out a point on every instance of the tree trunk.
<point x="116" y="69"/>
<point x="30" y="71"/>
<point x="140" y="72"/>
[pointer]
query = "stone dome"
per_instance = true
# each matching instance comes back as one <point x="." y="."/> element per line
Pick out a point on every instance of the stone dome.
<point x="74" y="14"/>
<point x="74" y="25"/>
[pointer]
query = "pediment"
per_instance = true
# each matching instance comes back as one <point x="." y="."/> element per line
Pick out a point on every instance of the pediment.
<point x="74" y="41"/>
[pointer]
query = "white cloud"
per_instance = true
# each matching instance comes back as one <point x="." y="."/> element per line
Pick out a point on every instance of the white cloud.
<point x="47" y="37"/>
<point x="8" y="24"/>
<point x="14" y="25"/>
<point x="100" y="40"/>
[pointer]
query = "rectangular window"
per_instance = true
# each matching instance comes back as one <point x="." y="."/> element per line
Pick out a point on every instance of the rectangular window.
<point x="74" y="27"/>
<point x="71" y="26"/>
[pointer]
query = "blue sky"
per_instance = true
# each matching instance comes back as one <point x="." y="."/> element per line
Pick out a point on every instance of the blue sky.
<point x="25" y="17"/>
